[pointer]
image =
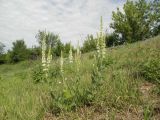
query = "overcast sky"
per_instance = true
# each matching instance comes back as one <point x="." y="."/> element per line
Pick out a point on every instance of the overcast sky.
<point x="71" y="19"/>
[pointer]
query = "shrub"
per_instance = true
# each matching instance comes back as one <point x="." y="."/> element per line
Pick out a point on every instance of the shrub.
<point x="68" y="95"/>
<point x="150" y="70"/>
<point x="89" y="44"/>
<point x="54" y="72"/>
<point x="3" y="59"/>
<point x="38" y="74"/>
<point x="19" y="52"/>
<point x="108" y="61"/>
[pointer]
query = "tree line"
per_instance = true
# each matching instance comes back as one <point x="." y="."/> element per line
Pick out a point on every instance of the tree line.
<point x="138" y="21"/>
<point x="20" y="52"/>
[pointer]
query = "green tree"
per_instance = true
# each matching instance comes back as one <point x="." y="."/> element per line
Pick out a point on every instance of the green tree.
<point x="89" y="44"/>
<point x="132" y="24"/>
<point x="19" y="51"/>
<point x="34" y="52"/>
<point x="51" y="38"/>
<point x="113" y="39"/>
<point x="155" y="17"/>
<point x="1" y="48"/>
<point x="2" y="55"/>
<point x="57" y="48"/>
<point x="67" y="49"/>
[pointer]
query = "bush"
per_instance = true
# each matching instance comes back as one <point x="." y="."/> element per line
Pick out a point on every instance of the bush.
<point x="38" y="74"/>
<point x="108" y="61"/>
<point x="54" y="72"/>
<point x="150" y="70"/>
<point x="69" y="95"/>
<point x="3" y="59"/>
<point x="89" y="44"/>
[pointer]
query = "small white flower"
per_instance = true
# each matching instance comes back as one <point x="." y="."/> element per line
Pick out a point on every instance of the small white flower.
<point x="59" y="82"/>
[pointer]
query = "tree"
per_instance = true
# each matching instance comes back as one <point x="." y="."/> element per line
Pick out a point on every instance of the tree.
<point x="113" y="39"/>
<point x="89" y="44"/>
<point x="133" y="24"/>
<point x="2" y="55"/>
<point x="58" y="48"/>
<point x="19" y="51"/>
<point x="51" y="38"/>
<point x="67" y="48"/>
<point x="155" y="17"/>
<point x="34" y="53"/>
<point x="1" y="48"/>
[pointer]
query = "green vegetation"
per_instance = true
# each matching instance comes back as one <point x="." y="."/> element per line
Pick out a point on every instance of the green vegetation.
<point x="118" y="82"/>
<point x="112" y="92"/>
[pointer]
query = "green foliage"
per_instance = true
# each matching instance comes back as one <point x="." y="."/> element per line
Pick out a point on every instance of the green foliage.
<point x="108" y="61"/>
<point x="147" y="112"/>
<point x="89" y="44"/>
<point x="2" y="55"/>
<point x="38" y="75"/>
<point x="156" y="90"/>
<point x="1" y="48"/>
<point x="66" y="49"/>
<point x="122" y="90"/>
<point x="70" y="95"/>
<point x="108" y="85"/>
<point x="19" y="52"/>
<point x="150" y="70"/>
<point x="34" y="53"/>
<point x="51" y="38"/>
<point x="113" y="40"/>
<point x="133" y="24"/>
<point x="3" y="59"/>
<point x="57" y="49"/>
<point x="155" y="17"/>
<point x="54" y="72"/>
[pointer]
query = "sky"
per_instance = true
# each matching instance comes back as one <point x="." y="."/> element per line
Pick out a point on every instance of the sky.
<point x="71" y="19"/>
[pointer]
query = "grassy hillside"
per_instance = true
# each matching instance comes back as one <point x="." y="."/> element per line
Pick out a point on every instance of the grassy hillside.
<point x="126" y="90"/>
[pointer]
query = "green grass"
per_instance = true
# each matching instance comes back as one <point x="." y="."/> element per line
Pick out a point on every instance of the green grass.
<point x="22" y="99"/>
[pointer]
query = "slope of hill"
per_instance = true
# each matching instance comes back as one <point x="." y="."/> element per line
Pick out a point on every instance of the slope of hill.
<point x="130" y="89"/>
